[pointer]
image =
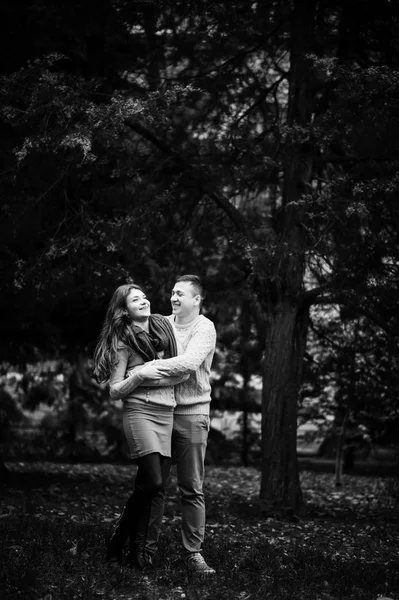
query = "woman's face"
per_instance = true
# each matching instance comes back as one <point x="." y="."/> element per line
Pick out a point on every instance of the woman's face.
<point x="137" y="305"/>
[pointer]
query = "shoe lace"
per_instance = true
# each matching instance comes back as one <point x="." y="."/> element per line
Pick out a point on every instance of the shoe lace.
<point x="197" y="558"/>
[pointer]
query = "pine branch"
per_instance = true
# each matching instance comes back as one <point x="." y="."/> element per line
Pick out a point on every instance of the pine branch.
<point x="201" y="177"/>
<point x="320" y="295"/>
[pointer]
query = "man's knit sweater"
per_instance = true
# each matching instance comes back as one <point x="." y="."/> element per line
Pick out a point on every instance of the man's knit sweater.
<point x="196" y="344"/>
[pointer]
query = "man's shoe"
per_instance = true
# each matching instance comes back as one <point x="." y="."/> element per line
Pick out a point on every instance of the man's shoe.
<point x="144" y="561"/>
<point x="197" y="565"/>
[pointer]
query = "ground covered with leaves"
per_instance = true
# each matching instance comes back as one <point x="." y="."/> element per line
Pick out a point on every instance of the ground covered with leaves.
<point x="55" y="519"/>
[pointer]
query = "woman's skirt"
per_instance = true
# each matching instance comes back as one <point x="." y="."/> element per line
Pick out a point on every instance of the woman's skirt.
<point x="148" y="428"/>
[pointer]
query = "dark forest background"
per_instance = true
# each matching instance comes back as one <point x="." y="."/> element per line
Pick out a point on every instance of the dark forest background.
<point x="253" y="143"/>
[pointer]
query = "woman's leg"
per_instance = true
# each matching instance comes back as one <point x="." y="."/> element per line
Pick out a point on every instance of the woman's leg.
<point x="150" y="522"/>
<point x="149" y="482"/>
<point x="157" y="510"/>
<point x="135" y="515"/>
<point x="120" y="534"/>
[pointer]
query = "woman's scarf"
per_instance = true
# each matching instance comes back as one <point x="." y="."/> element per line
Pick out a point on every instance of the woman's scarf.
<point x="160" y="337"/>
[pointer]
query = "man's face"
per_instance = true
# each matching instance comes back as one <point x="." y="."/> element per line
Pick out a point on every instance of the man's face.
<point x="184" y="300"/>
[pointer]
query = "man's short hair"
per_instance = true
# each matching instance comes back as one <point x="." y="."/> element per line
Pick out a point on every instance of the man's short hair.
<point x="195" y="282"/>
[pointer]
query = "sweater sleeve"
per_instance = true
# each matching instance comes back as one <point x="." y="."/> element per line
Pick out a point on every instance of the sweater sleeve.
<point x="201" y="343"/>
<point x="119" y="385"/>
<point x="163" y="382"/>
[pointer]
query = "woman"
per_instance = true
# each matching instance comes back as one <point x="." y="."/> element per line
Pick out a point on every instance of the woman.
<point x="131" y="338"/>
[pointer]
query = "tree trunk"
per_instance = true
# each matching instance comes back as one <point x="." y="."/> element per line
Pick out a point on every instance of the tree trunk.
<point x="340" y="449"/>
<point x="339" y="458"/>
<point x="245" y="428"/>
<point x="81" y="389"/>
<point x="245" y="332"/>
<point x="281" y="284"/>
<point x="280" y="494"/>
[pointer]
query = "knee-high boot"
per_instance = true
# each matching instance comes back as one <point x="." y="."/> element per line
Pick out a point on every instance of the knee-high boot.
<point x="137" y="555"/>
<point x="121" y="532"/>
<point x="132" y="523"/>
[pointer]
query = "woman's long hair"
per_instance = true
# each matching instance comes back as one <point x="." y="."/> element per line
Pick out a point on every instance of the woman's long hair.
<point x="113" y="332"/>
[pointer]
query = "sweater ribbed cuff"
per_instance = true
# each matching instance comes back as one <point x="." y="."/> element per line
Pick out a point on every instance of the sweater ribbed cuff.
<point x="201" y="408"/>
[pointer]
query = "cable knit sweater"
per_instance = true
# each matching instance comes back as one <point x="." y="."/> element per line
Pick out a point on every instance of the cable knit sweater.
<point x="196" y="344"/>
<point x="127" y="383"/>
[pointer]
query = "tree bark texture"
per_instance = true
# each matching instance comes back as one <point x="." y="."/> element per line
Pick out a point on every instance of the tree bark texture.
<point x="245" y="371"/>
<point x="280" y="494"/>
<point x="245" y="427"/>
<point x="339" y="457"/>
<point x="286" y="315"/>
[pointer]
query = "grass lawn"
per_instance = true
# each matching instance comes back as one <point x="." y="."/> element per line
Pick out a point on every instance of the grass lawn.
<point x="55" y="518"/>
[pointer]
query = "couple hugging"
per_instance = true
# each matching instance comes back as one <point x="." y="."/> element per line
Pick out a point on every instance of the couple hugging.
<point x="160" y="368"/>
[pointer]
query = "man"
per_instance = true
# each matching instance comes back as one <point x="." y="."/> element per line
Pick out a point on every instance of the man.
<point x="196" y="342"/>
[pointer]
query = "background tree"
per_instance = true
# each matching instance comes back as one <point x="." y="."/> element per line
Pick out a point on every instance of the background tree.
<point x="355" y="368"/>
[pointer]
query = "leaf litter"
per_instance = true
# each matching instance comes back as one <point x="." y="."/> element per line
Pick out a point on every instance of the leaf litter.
<point x="357" y="524"/>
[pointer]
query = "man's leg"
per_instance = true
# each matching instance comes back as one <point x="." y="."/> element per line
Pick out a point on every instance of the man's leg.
<point x="189" y="440"/>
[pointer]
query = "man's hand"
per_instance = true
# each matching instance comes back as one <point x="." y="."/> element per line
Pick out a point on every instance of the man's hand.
<point x="151" y="371"/>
